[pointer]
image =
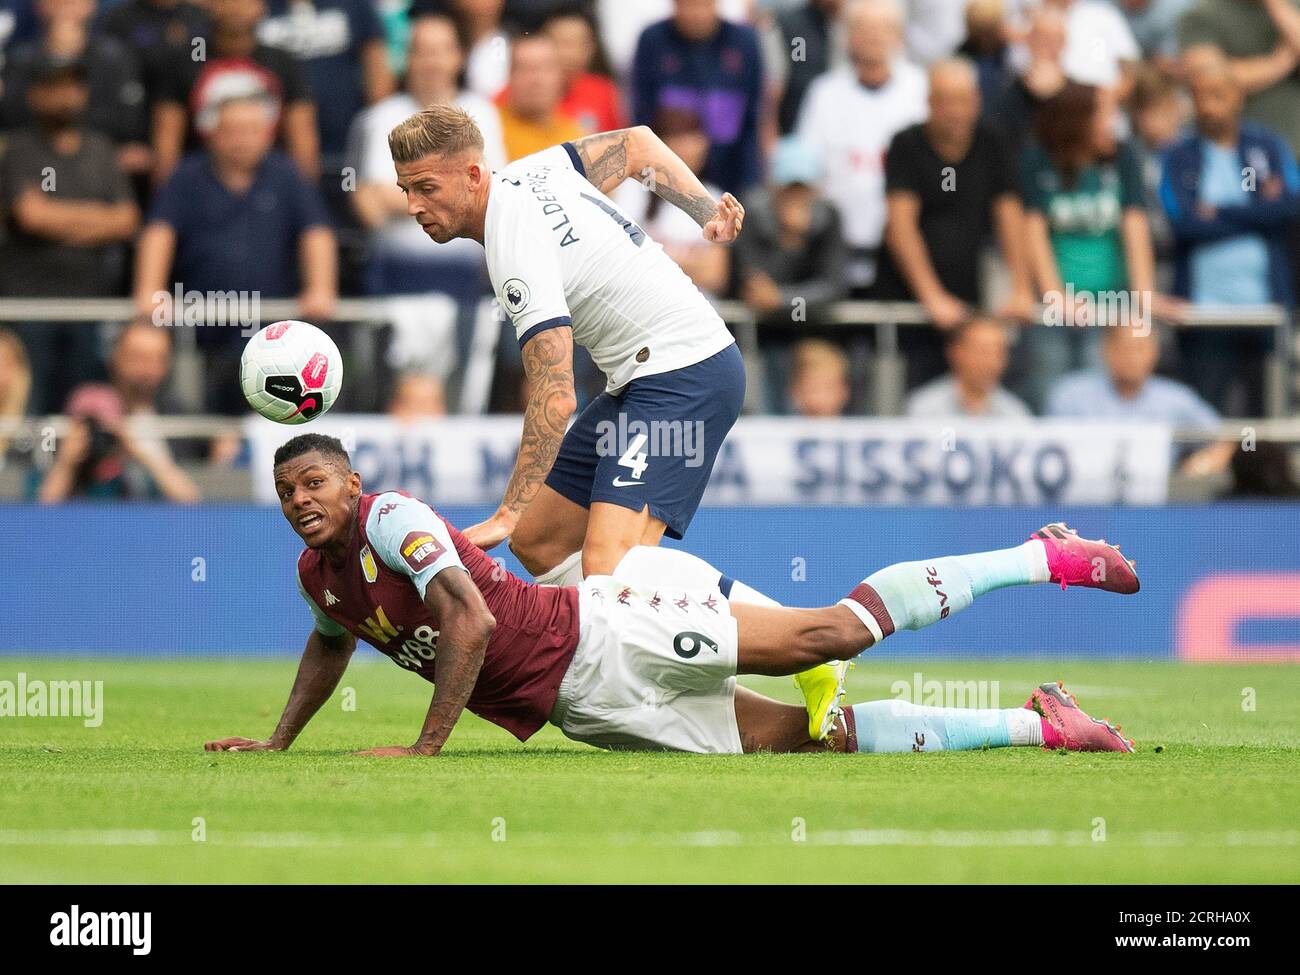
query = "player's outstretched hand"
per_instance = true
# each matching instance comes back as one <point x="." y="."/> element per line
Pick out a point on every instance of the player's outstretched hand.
<point x="726" y="223"/>
<point x="239" y="745"/>
<point x="393" y="751"/>
<point x="488" y="534"/>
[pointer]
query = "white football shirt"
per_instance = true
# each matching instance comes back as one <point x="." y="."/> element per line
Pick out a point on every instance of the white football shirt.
<point x="560" y="252"/>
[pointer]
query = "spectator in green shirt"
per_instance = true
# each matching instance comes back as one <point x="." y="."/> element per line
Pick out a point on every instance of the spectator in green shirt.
<point x="1086" y="228"/>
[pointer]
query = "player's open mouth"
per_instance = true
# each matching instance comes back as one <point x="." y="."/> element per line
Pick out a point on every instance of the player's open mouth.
<point x="310" y="522"/>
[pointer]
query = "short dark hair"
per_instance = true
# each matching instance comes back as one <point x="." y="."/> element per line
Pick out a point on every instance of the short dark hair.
<point x="330" y="447"/>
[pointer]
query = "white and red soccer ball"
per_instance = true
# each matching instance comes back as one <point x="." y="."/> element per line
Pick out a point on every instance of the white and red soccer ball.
<point x="291" y="372"/>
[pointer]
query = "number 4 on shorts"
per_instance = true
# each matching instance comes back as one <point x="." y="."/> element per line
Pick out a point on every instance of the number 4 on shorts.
<point x="634" y="457"/>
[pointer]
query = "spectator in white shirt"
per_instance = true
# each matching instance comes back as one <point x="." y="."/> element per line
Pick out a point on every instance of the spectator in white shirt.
<point x="848" y="118"/>
<point x="434" y="64"/>
<point x="935" y="29"/>
<point x="1100" y="48"/>
<point x="442" y="282"/>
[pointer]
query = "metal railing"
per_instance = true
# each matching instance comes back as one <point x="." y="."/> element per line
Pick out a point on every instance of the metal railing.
<point x="888" y="369"/>
<point x="206" y="426"/>
<point x="885" y="363"/>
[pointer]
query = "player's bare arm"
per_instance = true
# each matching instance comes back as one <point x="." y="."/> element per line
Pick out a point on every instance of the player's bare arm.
<point x="465" y="624"/>
<point x="608" y="158"/>
<point x="548" y="364"/>
<point x="323" y="662"/>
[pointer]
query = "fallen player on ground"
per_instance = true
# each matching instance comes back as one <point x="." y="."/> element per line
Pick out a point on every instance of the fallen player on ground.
<point x="644" y="658"/>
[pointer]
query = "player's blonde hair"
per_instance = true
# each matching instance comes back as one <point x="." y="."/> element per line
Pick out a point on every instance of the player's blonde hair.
<point x="439" y="130"/>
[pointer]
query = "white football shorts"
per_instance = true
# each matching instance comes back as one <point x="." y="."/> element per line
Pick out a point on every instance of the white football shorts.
<point x="655" y="666"/>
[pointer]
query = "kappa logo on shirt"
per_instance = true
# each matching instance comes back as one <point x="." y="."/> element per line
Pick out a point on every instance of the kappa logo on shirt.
<point x="516" y="295"/>
<point x="330" y="598"/>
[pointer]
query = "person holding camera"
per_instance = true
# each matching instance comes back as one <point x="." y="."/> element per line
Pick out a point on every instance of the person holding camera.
<point x="101" y="456"/>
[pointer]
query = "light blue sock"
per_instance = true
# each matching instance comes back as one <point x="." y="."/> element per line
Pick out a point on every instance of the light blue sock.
<point x="1019" y="566"/>
<point x="917" y="594"/>
<point x="900" y="726"/>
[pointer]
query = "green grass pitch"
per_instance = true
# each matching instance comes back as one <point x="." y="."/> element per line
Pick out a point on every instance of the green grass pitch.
<point x="1218" y="802"/>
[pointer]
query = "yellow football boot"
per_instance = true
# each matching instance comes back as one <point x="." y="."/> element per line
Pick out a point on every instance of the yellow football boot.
<point x="823" y="687"/>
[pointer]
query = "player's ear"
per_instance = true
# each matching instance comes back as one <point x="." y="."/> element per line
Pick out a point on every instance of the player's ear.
<point x="354" y="485"/>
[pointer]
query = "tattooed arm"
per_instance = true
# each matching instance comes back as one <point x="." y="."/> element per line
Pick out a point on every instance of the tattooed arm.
<point x="608" y="158"/>
<point x="548" y="364"/>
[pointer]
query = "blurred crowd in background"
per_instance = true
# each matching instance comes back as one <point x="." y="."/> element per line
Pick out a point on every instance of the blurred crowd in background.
<point x="970" y="156"/>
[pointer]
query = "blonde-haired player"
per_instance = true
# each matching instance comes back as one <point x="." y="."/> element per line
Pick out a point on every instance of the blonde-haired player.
<point x="567" y="266"/>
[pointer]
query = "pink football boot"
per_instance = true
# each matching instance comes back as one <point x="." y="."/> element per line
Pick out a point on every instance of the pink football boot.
<point x="1065" y="725"/>
<point x="1075" y="561"/>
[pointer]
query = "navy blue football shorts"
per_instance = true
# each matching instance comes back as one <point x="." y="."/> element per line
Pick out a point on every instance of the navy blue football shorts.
<point x="653" y="445"/>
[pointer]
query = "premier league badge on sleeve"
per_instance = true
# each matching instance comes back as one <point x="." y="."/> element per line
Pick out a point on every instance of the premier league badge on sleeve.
<point x="516" y="295"/>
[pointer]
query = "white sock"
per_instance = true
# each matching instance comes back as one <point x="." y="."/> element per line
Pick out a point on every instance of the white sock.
<point x="1036" y="554"/>
<point x="1025" y="726"/>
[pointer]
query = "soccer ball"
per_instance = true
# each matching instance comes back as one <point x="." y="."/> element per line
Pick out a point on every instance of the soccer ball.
<point x="291" y="372"/>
